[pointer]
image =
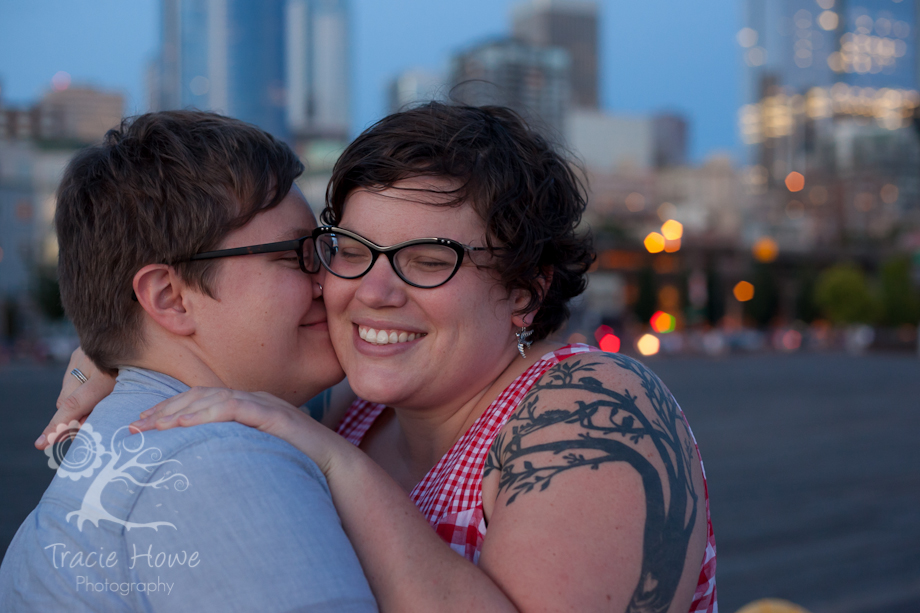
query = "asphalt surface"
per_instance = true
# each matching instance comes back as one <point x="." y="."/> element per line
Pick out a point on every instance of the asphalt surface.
<point x="813" y="466"/>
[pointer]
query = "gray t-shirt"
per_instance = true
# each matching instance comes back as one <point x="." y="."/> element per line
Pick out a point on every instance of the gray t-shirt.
<point x="219" y="517"/>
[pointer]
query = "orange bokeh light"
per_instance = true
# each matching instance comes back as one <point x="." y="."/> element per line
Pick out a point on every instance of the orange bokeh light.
<point x="663" y="323"/>
<point x="795" y="181"/>
<point x="743" y="291"/>
<point x="654" y="242"/>
<point x="672" y="230"/>
<point x="765" y="250"/>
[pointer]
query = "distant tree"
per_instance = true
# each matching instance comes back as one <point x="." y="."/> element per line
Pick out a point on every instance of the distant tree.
<point x="764" y="306"/>
<point x="647" y="300"/>
<point x="843" y="296"/>
<point x="900" y="299"/>
<point x="805" y="308"/>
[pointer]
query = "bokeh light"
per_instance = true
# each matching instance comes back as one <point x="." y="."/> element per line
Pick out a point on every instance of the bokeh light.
<point x="792" y="340"/>
<point x="635" y="202"/>
<point x="60" y="81"/>
<point x="601" y="332"/>
<point x="663" y="323"/>
<point x="795" y="181"/>
<point x="648" y="344"/>
<point x="864" y="201"/>
<point x="890" y="194"/>
<point x="765" y="250"/>
<point x="609" y="343"/>
<point x="743" y="291"/>
<point x="672" y="230"/>
<point x="747" y="37"/>
<point x="606" y="339"/>
<point x="828" y="20"/>
<point x="672" y="246"/>
<point x="654" y="242"/>
<point x="666" y="211"/>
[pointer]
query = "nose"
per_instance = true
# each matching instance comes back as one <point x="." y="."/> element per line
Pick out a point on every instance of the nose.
<point x="380" y="287"/>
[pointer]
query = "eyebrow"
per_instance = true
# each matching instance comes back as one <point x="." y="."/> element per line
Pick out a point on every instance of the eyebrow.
<point x="293" y="234"/>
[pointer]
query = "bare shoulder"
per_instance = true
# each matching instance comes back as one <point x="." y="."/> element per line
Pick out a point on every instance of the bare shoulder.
<point x="601" y="436"/>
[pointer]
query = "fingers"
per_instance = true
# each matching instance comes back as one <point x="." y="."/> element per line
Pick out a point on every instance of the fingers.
<point x="77" y="400"/>
<point x="208" y="404"/>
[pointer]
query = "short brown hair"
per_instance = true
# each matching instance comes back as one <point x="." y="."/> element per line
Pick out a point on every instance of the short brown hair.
<point x="525" y="191"/>
<point x="158" y="189"/>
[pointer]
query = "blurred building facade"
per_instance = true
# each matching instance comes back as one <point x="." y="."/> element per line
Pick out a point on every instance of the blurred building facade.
<point x="412" y="87"/>
<point x="283" y="65"/>
<point x="831" y="93"/>
<point x="36" y="144"/>
<point x="532" y="80"/>
<point x="571" y="25"/>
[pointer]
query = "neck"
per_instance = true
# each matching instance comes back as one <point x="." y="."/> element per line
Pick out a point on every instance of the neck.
<point x="426" y="435"/>
<point x="177" y="357"/>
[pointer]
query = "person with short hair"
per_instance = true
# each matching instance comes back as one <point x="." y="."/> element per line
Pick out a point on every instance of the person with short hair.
<point x="186" y="259"/>
<point x="539" y="476"/>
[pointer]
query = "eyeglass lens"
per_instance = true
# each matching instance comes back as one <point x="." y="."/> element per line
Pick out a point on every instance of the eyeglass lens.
<point x="422" y="265"/>
<point x="307" y="255"/>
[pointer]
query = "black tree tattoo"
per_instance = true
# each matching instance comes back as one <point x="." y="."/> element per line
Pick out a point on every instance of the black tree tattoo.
<point x="611" y="425"/>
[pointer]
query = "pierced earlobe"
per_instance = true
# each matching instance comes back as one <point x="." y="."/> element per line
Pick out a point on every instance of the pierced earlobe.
<point x="523" y="342"/>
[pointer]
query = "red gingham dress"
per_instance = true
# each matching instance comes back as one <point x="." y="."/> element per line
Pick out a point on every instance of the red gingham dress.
<point x="450" y="495"/>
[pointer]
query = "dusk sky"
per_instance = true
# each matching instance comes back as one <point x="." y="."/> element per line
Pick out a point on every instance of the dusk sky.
<point x="676" y="55"/>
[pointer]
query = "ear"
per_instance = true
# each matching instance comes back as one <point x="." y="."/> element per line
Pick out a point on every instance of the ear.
<point x="163" y="295"/>
<point x="520" y="298"/>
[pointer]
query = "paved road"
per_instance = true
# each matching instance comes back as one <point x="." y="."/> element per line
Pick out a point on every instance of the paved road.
<point x="813" y="466"/>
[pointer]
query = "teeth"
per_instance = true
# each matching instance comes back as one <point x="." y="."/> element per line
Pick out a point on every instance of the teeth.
<point x="386" y="337"/>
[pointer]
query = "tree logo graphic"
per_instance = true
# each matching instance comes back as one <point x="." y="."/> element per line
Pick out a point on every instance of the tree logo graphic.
<point x="128" y="465"/>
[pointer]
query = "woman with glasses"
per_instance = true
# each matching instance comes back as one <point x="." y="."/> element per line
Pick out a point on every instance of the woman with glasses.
<point x="554" y="477"/>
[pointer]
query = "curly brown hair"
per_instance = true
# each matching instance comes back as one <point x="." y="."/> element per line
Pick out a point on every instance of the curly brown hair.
<point x="526" y="192"/>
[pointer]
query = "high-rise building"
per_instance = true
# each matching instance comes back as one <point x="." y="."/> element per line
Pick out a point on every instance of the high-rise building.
<point x="572" y="25"/>
<point x="831" y="91"/>
<point x="532" y="80"/>
<point x="317" y="58"/>
<point x="280" y="64"/>
<point x="79" y="114"/>
<point x="414" y="87"/>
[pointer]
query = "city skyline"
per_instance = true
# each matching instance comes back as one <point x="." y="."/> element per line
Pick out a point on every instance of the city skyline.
<point x="111" y="46"/>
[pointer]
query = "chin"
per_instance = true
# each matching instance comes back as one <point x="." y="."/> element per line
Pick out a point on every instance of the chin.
<point x="376" y="388"/>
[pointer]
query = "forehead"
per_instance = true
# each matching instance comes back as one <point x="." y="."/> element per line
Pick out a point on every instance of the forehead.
<point x="412" y="208"/>
<point x="291" y="218"/>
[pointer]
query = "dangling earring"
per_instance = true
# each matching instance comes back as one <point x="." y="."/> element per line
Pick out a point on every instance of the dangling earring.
<point x="523" y="343"/>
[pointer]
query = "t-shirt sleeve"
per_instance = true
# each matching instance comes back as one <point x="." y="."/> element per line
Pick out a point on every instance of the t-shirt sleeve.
<point x="251" y="526"/>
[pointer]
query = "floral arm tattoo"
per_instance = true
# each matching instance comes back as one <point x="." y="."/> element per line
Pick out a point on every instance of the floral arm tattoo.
<point x="610" y="426"/>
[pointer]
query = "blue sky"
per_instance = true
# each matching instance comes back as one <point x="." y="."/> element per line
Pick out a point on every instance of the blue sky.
<point x="676" y="55"/>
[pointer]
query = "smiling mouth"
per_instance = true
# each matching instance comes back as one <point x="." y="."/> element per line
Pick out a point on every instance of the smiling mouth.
<point x="387" y="337"/>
